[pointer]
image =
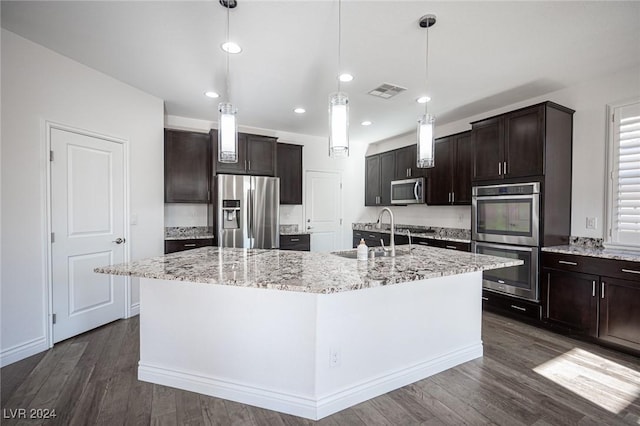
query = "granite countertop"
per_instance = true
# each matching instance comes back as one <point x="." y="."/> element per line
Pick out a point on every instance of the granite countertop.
<point x="435" y="233"/>
<point x="605" y="253"/>
<point x="294" y="233"/>
<point x="305" y="271"/>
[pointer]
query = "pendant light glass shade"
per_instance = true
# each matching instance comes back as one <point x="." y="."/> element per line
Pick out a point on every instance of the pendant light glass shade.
<point x="426" y="143"/>
<point x="338" y="125"/>
<point x="227" y="133"/>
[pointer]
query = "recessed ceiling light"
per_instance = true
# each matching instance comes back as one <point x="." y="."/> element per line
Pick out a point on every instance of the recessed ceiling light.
<point x="345" y="77"/>
<point x="366" y="123"/>
<point x="211" y="94"/>
<point x="299" y="110"/>
<point x="423" y="99"/>
<point x="231" y="47"/>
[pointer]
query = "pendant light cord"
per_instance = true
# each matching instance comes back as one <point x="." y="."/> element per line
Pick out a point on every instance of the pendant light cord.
<point x="227" y="52"/>
<point x="426" y="73"/>
<point x="339" y="41"/>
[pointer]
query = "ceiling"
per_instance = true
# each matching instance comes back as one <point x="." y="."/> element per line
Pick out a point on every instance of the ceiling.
<point x="482" y="55"/>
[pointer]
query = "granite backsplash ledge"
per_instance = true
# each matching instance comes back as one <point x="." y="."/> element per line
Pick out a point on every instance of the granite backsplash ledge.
<point x="418" y="230"/>
<point x="187" y="232"/>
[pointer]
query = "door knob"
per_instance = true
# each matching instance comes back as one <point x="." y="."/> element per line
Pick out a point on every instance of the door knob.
<point x="309" y="227"/>
<point x="118" y="240"/>
<point x="308" y="220"/>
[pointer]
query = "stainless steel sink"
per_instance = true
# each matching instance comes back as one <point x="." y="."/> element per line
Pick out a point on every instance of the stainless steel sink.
<point x="353" y="254"/>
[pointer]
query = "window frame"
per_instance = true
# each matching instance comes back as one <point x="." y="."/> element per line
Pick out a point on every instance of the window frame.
<point x="611" y="161"/>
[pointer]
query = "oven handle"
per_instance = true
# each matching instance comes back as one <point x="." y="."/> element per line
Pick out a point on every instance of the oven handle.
<point x="504" y="246"/>
<point x="415" y="190"/>
<point x="506" y="197"/>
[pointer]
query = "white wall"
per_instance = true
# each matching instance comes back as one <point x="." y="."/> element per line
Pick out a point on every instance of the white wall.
<point x="314" y="157"/>
<point x="40" y="85"/>
<point x="589" y="100"/>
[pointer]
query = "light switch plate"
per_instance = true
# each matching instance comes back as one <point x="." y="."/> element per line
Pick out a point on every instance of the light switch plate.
<point x="592" y="223"/>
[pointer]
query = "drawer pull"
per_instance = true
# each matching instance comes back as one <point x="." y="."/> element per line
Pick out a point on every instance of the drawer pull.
<point x="451" y="247"/>
<point x="190" y="245"/>
<point x="602" y="290"/>
<point x="485" y="298"/>
<point x="294" y="239"/>
<point x="519" y="308"/>
<point x="565" y="262"/>
<point x="593" y="289"/>
<point x="631" y="271"/>
<point x="500" y="282"/>
<point x="422" y="243"/>
<point x="371" y="236"/>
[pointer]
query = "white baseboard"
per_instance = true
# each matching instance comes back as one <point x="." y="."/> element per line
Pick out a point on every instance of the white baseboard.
<point x="22" y="351"/>
<point x="304" y="406"/>
<point x="134" y="310"/>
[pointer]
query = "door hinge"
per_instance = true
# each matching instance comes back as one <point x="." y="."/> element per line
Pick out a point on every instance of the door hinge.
<point x="340" y="221"/>
<point x="340" y="185"/>
<point x="53" y="318"/>
<point x="53" y="237"/>
<point x="50" y="155"/>
<point x="613" y="118"/>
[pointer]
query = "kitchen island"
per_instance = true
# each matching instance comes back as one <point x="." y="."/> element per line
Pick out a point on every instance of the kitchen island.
<point x="306" y="333"/>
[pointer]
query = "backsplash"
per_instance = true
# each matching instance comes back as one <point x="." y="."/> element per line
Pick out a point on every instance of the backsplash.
<point x="435" y="231"/>
<point x="184" y="232"/>
<point x="586" y="242"/>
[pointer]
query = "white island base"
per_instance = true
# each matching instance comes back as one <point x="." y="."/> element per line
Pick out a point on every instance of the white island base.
<point x="306" y="354"/>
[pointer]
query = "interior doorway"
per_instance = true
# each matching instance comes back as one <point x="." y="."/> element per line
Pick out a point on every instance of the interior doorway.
<point x="323" y="210"/>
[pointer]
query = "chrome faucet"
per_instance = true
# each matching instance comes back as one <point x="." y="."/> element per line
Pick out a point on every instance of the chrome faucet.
<point x="393" y="229"/>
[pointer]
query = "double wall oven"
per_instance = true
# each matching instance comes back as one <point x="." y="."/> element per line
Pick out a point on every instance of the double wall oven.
<point x="505" y="221"/>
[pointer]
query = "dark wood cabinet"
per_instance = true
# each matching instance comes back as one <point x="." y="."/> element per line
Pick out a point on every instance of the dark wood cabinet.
<point x="620" y="312"/>
<point x="387" y="174"/>
<point x="449" y="181"/>
<point x="406" y="163"/>
<point x="381" y="169"/>
<point x="172" y="246"/>
<point x="289" y="159"/>
<point x="571" y="300"/>
<point x="593" y="297"/>
<point x="187" y="167"/>
<point x="256" y="155"/>
<point x="528" y="142"/>
<point x="372" y="180"/>
<point x="373" y="239"/>
<point x="510" y="306"/>
<point x="445" y="244"/>
<point x="299" y="242"/>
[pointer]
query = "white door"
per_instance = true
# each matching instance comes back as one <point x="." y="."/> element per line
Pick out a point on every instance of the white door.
<point x="87" y="221"/>
<point x="323" y="210"/>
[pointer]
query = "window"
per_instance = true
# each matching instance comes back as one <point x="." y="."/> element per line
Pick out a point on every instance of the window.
<point x="623" y="178"/>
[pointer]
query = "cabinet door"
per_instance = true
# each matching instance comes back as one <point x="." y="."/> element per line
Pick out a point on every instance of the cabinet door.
<point x="406" y="163"/>
<point x="232" y="168"/>
<point x="571" y="300"/>
<point x="372" y="180"/>
<point x="439" y="176"/>
<point x="620" y="312"/>
<point x="461" y="179"/>
<point x="187" y="166"/>
<point x="487" y="142"/>
<point x="261" y="155"/>
<point x="290" y="173"/>
<point x="387" y="174"/>
<point x="524" y="142"/>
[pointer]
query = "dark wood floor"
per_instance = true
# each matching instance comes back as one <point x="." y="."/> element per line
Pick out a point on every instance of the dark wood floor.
<point x="527" y="376"/>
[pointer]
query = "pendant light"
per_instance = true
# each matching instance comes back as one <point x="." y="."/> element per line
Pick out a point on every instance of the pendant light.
<point x="227" y="122"/>
<point x="339" y="109"/>
<point x="426" y="143"/>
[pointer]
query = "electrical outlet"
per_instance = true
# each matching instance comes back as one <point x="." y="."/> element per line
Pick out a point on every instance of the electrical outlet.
<point x="592" y="223"/>
<point x="334" y="357"/>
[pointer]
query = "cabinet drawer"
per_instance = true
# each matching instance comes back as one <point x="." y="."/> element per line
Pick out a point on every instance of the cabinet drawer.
<point x="172" y="246"/>
<point x="592" y="265"/>
<point x="299" y="242"/>
<point x="510" y="305"/>
<point x="451" y="245"/>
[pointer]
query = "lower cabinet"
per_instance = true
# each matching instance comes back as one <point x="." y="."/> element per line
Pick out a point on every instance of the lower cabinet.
<point x="446" y="244"/>
<point x="510" y="306"/>
<point x="299" y="242"/>
<point x="373" y="239"/>
<point x="579" y="300"/>
<point x="172" y="246"/>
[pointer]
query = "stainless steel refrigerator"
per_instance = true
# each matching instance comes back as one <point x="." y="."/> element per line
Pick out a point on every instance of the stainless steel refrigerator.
<point x="248" y="210"/>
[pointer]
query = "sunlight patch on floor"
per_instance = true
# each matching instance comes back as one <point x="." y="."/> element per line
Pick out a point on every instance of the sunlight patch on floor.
<point x="605" y="383"/>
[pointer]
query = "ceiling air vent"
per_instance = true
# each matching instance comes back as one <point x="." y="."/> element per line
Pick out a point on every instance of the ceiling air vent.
<point x="386" y="91"/>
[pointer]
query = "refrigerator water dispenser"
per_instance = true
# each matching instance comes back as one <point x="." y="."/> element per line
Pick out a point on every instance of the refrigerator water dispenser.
<point x="231" y="214"/>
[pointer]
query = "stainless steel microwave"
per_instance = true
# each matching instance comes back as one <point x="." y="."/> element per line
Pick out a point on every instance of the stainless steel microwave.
<point x="408" y="191"/>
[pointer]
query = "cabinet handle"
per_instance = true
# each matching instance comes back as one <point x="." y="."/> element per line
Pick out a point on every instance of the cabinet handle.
<point x="504" y="168"/>
<point x="449" y="199"/>
<point x="519" y="308"/>
<point x="189" y="245"/>
<point x="602" y="295"/>
<point x="593" y="289"/>
<point x="499" y="169"/>
<point x="565" y="262"/>
<point x="453" y="197"/>
<point x="451" y="247"/>
<point x="485" y="298"/>
<point x="293" y="240"/>
<point x="422" y="243"/>
<point x="631" y="271"/>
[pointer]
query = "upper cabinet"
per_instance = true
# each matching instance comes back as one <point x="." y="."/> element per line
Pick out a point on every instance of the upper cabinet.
<point x="187" y="167"/>
<point x="380" y="170"/>
<point x="406" y="160"/>
<point x="521" y="143"/>
<point x="290" y="173"/>
<point x="256" y="155"/>
<point x="449" y="181"/>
